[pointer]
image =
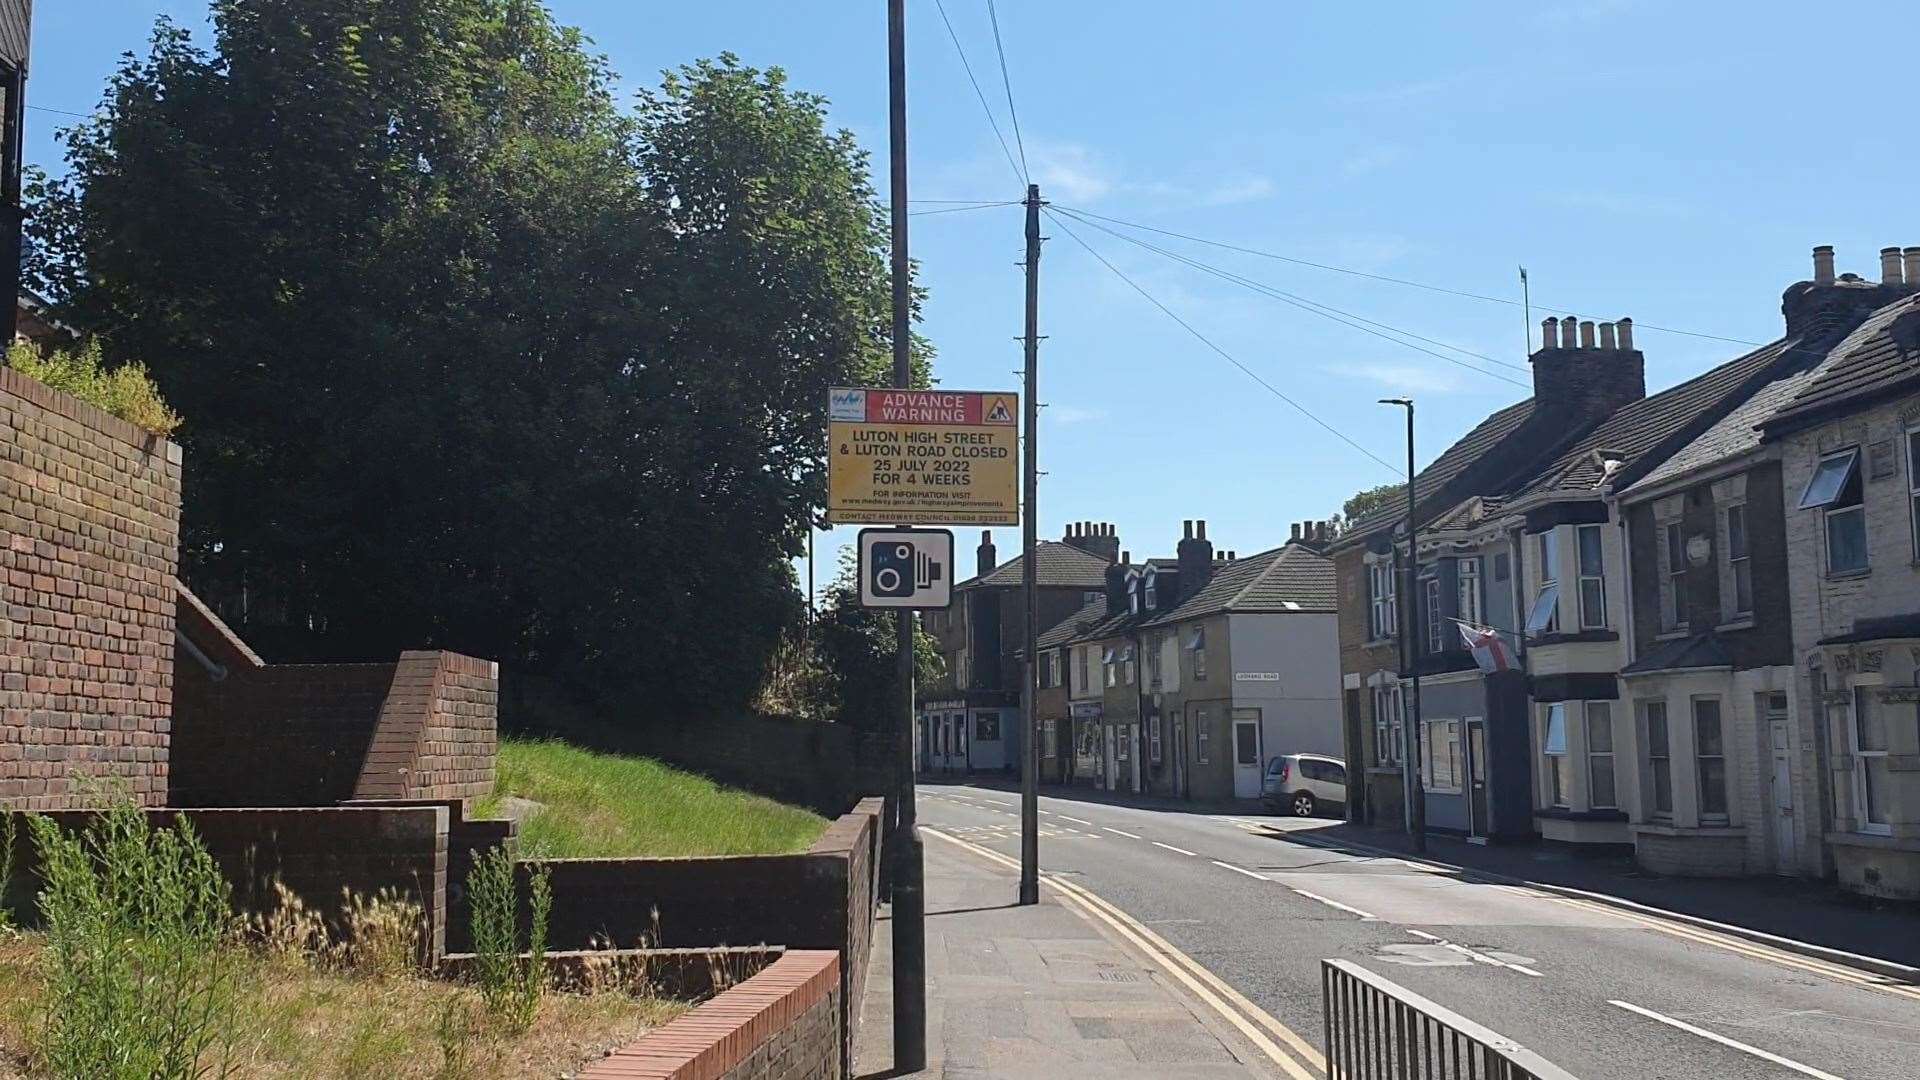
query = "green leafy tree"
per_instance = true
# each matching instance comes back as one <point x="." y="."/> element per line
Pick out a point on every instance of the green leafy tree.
<point x="1366" y="502"/>
<point x="474" y="358"/>
<point x="855" y="649"/>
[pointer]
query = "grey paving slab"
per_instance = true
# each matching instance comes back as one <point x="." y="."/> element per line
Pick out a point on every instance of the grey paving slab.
<point x="1036" y="993"/>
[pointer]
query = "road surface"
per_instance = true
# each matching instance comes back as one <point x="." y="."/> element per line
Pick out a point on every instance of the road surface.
<point x="1604" y="994"/>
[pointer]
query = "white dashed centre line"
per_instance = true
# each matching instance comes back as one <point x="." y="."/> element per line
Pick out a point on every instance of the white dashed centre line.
<point x="1069" y="817"/>
<point x="1335" y="904"/>
<point x="1170" y="847"/>
<point x="1807" y="1070"/>
<point x="1241" y="870"/>
<point x="1121" y="832"/>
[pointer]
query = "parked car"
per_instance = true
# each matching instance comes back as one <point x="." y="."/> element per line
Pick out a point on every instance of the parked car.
<point x="1303" y="784"/>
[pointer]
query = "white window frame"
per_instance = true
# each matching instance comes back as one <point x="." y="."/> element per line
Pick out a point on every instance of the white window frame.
<point x="1152" y="646"/>
<point x="1154" y="724"/>
<point x="1080" y="669"/>
<point x="1050" y="673"/>
<point x="1467" y="586"/>
<point x="1110" y="666"/>
<point x="1388" y="716"/>
<point x="1644" y="711"/>
<point x="1739" y="560"/>
<point x="1700" y="759"/>
<point x="1151" y="592"/>
<point x="1435" y="620"/>
<point x="1197" y="644"/>
<point x="1558" y="763"/>
<point x="1595" y="575"/>
<point x="1440" y="766"/>
<point x="1912" y="436"/>
<point x="1831" y="513"/>
<point x="1546" y="594"/>
<point x="1599" y="717"/>
<point x="1126" y="665"/>
<point x="1382" y="599"/>
<point x="1201" y="738"/>
<point x="1672" y="542"/>
<point x="1863" y="800"/>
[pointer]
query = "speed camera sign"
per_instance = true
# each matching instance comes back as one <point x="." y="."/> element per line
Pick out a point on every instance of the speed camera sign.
<point x="906" y="568"/>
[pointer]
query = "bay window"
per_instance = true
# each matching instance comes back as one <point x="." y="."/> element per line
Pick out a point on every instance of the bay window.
<point x="1601" y="793"/>
<point x="1436" y="622"/>
<point x="1653" y="721"/>
<point x="1544" y="618"/>
<point x="1868" y="738"/>
<point x="1553" y="746"/>
<point x="1467" y="580"/>
<point x="1593" y="581"/>
<point x="1710" y="759"/>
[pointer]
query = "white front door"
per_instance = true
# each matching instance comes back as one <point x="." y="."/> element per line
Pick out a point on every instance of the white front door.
<point x="1246" y="759"/>
<point x="1784" y="838"/>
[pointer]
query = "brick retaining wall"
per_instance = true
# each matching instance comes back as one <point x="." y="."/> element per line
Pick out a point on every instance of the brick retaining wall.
<point x="782" y="1024"/>
<point x="89" y="535"/>
<point x="316" y="852"/>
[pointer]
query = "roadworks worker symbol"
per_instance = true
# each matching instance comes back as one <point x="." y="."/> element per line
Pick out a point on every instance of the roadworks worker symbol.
<point x="999" y="409"/>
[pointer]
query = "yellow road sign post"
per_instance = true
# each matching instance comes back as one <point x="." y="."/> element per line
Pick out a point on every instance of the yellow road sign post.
<point x="922" y="457"/>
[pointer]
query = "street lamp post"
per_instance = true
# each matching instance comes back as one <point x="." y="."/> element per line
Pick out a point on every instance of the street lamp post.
<point x="1411" y="788"/>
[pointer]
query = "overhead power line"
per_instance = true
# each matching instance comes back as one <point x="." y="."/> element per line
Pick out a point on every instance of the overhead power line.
<point x="963" y="209"/>
<point x="1384" y="331"/>
<point x="62" y="112"/>
<point x="1019" y="168"/>
<point x="993" y="16"/>
<point x="1508" y="301"/>
<point x="1059" y="220"/>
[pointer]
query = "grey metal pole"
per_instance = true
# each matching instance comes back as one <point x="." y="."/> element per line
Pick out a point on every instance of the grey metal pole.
<point x="1411" y="788"/>
<point x="909" y="901"/>
<point x="1029" y="579"/>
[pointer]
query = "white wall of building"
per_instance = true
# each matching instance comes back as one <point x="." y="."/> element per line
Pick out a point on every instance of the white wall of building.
<point x="1288" y="667"/>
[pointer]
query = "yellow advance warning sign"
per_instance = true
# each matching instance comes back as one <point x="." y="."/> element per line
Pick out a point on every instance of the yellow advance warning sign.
<point x="922" y="457"/>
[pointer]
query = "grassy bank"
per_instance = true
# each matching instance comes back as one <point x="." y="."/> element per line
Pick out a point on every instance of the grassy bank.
<point x="606" y="805"/>
<point x="299" y="1023"/>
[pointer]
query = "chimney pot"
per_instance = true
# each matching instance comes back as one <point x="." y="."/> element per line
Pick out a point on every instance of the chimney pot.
<point x="1823" y="265"/>
<point x="1569" y="332"/>
<point x="1912" y="258"/>
<point x="1126" y="557"/>
<point x="1549" y="333"/>
<point x="1890" y="269"/>
<point x="1607" y="340"/>
<point x="1323" y="530"/>
<point x="1296" y="530"/>
<point x="1625" y="326"/>
<point x="1186" y="529"/>
<point x="1199" y="529"/>
<point x="1586" y="335"/>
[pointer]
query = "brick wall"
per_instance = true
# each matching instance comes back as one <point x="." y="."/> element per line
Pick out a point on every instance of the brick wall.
<point x="781" y="1024"/>
<point x="275" y="735"/>
<point x="89" y="531"/>
<point x="459" y="743"/>
<point x="317" y="853"/>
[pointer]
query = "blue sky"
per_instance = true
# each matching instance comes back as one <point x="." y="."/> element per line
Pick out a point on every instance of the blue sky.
<point x="1670" y="162"/>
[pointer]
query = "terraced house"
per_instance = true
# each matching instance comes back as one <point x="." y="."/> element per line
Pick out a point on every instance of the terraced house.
<point x="1665" y="574"/>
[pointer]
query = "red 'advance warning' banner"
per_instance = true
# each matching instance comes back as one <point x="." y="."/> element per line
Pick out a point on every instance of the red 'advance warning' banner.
<point x="932" y="407"/>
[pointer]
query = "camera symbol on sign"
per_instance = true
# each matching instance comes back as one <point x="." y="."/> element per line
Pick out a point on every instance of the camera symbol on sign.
<point x="901" y="569"/>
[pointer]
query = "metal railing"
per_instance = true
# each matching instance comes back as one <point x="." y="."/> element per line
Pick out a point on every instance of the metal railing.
<point x="1377" y="1030"/>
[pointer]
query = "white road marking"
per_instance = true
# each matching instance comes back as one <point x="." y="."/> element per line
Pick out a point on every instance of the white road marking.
<point x="996" y="802"/>
<point x="1170" y="847"/>
<point x="1241" y="870"/>
<point x="1479" y="957"/>
<point x="1049" y="813"/>
<point x="1070" y="817"/>
<point x="1122" y="832"/>
<point x="1334" y="904"/>
<point x="1764" y="1055"/>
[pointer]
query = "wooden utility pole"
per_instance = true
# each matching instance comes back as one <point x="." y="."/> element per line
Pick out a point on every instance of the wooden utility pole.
<point x="909" y="900"/>
<point x="1029" y="575"/>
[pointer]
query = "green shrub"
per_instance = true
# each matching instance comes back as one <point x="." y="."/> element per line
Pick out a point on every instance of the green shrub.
<point x="127" y="391"/>
<point x="8" y="832"/>
<point x="511" y="981"/>
<point x="140" y="957"/>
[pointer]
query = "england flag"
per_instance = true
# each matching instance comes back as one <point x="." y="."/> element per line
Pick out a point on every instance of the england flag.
<point x="1489" y="649"/>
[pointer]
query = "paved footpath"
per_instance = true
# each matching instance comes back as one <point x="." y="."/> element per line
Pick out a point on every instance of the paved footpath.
<point x="1046" y="992"/>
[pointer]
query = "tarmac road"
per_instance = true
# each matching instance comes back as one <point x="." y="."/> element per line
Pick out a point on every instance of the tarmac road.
<point x="1604" y="994"/>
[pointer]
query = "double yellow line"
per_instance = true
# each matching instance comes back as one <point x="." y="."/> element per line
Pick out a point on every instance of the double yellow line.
<point x="1294" y="1056"/>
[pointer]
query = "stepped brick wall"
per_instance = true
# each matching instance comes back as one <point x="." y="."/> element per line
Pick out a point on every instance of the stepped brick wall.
<point x="89" y="540"/>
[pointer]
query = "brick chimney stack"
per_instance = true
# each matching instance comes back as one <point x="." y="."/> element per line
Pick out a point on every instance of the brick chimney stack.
<point x="1194" y="555"/>
<point x="1835" y="303"/>
<point x="1586" y="367"/>
<point x="1094" y="538"/>
<point x="984" y="556"/>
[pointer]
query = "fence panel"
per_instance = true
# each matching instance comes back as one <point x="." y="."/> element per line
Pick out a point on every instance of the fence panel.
<point x="1379" y="1030"/>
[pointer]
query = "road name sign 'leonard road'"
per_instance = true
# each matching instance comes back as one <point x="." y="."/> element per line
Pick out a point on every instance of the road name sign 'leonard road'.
<point x="922" y="457"/>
